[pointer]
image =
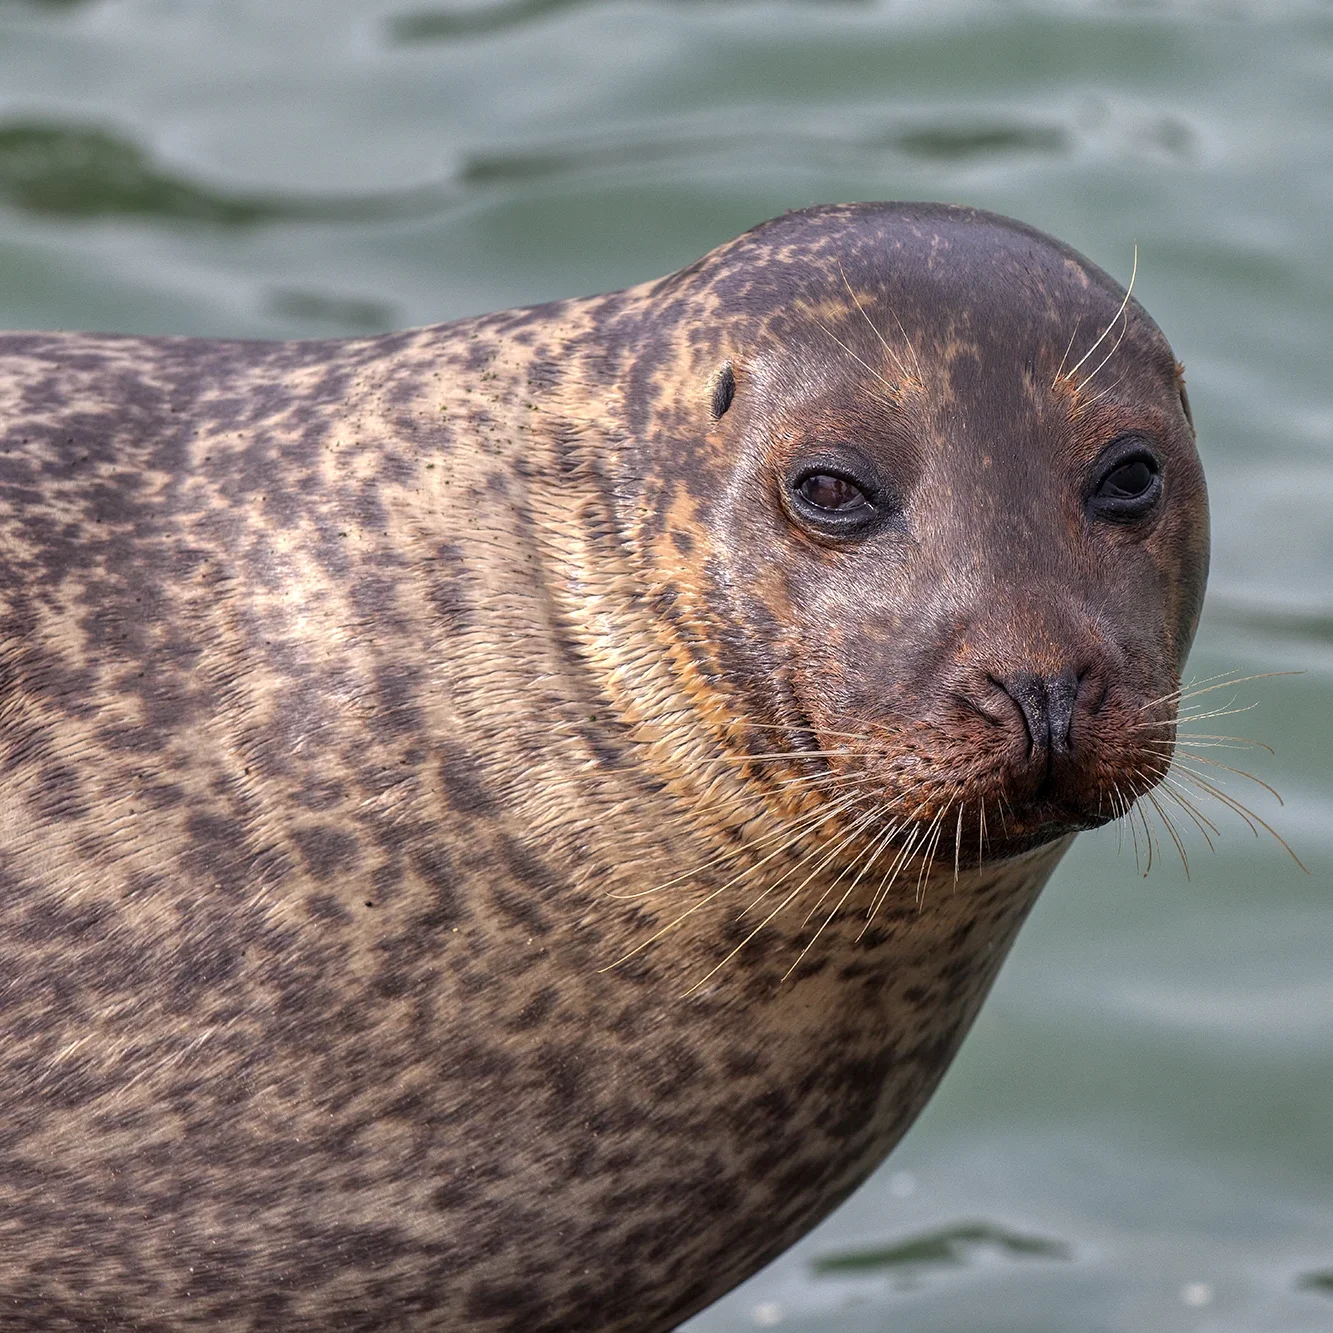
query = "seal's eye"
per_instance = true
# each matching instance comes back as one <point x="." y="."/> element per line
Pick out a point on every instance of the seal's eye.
<point x="839" y="499"/>
<point x="833" y="494"/>
<point x="1131" y="482"/>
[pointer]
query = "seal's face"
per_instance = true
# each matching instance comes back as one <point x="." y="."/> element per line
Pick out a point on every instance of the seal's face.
<point x="947" y="473"/>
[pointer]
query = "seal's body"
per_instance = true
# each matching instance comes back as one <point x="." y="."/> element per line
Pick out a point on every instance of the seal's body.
<point x="504" y="826"/>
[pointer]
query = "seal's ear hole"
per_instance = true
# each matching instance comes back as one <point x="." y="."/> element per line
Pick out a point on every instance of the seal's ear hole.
<point x="724" y="390"/>
<point x="1185" y="405"/>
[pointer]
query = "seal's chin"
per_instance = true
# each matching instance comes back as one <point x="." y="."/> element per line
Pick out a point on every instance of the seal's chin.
<point x="1018" y="833"/>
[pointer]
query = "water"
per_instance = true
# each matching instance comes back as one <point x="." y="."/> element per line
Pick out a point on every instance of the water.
<point x="1139" y="1133"/>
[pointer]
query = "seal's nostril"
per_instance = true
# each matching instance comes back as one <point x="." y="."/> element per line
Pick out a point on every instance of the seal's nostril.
<point x="1047" y="704"/>
<point x="1061" y="697"/>
<point x="1028" y="692"/>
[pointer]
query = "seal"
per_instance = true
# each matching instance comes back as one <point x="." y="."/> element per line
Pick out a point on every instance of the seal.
<point x="506" y="824"/>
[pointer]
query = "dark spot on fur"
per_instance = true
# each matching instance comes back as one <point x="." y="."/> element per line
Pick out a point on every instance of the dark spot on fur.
<point x="500" y="1300"/>
<point x="534" y="1013"/>
<point x="325" y="907"/>
<point x="463" y="781"/>
<point x="326" y="851"/>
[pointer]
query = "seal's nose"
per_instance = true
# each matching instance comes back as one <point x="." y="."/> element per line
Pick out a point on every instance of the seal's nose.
<point x="1047" y="704"/>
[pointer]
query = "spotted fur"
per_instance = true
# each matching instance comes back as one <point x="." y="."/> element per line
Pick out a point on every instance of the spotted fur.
<point x="355" y="696"/>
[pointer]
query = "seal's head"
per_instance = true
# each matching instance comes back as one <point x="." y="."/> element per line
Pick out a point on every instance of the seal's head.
<point x="928" y="479"/>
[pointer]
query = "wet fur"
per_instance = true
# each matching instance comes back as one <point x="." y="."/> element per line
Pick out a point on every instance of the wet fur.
<point x="353" y="698"/>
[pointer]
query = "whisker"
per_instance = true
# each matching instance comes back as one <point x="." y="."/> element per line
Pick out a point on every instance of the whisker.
<point x="789" y="833"/>
<point x="1119" y="807"/>
<point x="890" y="878"/>
<point x="846" y="870"/>
<point x="920" y="376"/>
<point x="904" y="851"/>
<point x="893" y="389"/>
<point x="1239" y="742"/>
<point x="1244" y="812"/>
<point x="1149" y="838"/>
<point x="958" y="845"/>
<point x="829" y="853"/>
<point x="1115" y="347"/>
<point x="1171" y="829"/>
<point x="783" y="904"/>
<point x="685" y="915"/>
<point x="1198" y="743"/>
<point x="1124" y="305"/>
<point x="1238" y="680"/>
<point x="1239" y="772"/>
<point x="1105" y="393"/>
<point x="1201" y="821"/>
<point x="928" y="856"/>
<point x="902" y="369"/>
<point x="794" y="730"/>
<point x="1184" y="718"/>
<point x="1223" y="680"/>
<point x="904" y="854"/>
<point x="1223" y="676"/>
<point x="778" y="754"/>
<point x="1134" y="835"/>
<point x="1068" y="348"/>
<point x="876" y="850"/>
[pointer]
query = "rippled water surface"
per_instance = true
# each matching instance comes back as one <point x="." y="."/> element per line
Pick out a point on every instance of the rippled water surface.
<point x="1139" y="1133"/>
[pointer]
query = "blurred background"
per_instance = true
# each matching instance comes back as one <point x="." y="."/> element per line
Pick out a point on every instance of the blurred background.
<point x="1139" y="1133"/>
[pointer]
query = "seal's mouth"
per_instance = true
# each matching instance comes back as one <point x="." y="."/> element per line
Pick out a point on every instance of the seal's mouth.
<point x="1020" y="832"/>
<point x="969" y="789"/>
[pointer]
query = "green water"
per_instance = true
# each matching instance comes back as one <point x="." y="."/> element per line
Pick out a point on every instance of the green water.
<point x="1139" y="1133"/>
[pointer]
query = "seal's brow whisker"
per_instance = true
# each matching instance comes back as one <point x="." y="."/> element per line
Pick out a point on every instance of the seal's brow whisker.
<point x="916" y="360"/>
<point x="894" y="390"/>
<point x="1124" y="306"/>
<point x="897" y="361"/>
<point x="1115" y="347"/>
<point x="1069" y="347"/>
<point x="1104" y="393"/>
